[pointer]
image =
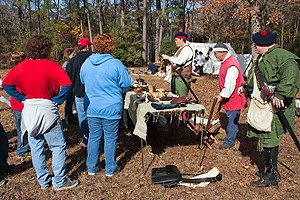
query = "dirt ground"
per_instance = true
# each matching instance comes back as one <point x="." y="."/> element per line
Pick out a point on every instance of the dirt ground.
<point x="237" y="165"/>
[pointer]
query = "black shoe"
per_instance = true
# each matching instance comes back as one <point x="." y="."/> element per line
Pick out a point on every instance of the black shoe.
<point x="277" y="175"/>
<point x="9" y="169"/>
<point x="225" y="146"/>
<point x="267" y="180"/>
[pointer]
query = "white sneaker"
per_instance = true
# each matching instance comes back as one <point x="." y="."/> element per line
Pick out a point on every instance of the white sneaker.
<point x="91" y="173"/>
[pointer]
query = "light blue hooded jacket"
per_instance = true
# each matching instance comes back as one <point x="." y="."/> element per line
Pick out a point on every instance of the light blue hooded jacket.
<point x="104" y="79"/>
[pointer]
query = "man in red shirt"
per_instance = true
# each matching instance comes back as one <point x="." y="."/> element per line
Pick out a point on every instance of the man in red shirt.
<point x="44" y="85"/>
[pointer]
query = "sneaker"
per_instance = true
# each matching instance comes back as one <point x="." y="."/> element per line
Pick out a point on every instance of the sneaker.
<point x="225" y="146"/>
<point x="9" y="169"/>
<point x="45" y="187"/>
<point x="68" y="184"/>
<point x="2" y="182"/>
<point x="91" y="173"/>
<point x="118" y="170"/>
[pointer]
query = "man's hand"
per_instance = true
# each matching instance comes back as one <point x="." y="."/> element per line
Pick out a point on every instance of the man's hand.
<point x="241" y="90"/>
<point x="165" y="57"/>
<point x="219" y="98"/>
<point x="278" y="103"/>
<point x="174" y="67"/>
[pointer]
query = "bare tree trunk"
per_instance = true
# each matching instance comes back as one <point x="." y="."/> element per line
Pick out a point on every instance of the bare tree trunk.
<point x="144" y="37"/>
<point x="281" y="35"/>
<point x="157" y="25"/>
<point x="182" y="15"/>
<point x="81" y="27"/>
<point x="122" y="7"/>
<point x="58" y="10"/>
<point x="99" y="17"/>
<point x="297" y="23"/>
<point x="161" y="24"/>
<point x="89" y="25"/>
<point x="115" y="10"/>
<point x="38" y="16"/>
<point x="254" y="21"/>
<point x="29" y="13"/>
<point x="157" y="31"/>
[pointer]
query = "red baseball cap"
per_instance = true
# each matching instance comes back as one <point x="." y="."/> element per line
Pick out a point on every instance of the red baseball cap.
<point x="83" y="42"/>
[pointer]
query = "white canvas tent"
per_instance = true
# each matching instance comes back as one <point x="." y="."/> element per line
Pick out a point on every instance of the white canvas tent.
<point x="245" y="62"/>
<point x="212" y="66"/>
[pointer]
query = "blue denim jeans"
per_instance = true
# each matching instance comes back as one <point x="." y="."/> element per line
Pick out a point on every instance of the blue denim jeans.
<point x="3" y="150"/>
<point x="232" y="126"/>
<point x="57" y="144"/>
<point x="21" y="149"/>
<point x="82" y="117"/>
<point x="69" y="107"/>
<point x="107" y="130"/>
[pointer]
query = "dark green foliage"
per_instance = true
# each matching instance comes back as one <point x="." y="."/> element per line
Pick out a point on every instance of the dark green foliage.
<point x="129" y="43"/>
<point x="168" y="46"/>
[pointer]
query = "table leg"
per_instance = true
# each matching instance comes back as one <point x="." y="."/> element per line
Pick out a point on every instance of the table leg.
<point x="142" y="148"/>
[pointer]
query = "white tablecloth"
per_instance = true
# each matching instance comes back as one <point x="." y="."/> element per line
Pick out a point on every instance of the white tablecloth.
<point x="138" y="109"/>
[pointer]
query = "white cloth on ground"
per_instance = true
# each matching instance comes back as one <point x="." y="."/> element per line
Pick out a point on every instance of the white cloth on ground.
<point x="211" y="174"/>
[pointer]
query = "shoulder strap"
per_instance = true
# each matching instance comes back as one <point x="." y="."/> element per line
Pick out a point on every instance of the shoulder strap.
<point x="259" y="76"/>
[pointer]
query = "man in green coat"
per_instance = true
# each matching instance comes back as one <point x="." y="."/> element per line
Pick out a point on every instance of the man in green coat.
<point x="279" y="69"/>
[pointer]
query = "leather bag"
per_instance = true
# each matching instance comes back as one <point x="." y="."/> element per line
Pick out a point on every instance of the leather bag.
<point x="170" y="176"/>
<point x="180" y="100"/>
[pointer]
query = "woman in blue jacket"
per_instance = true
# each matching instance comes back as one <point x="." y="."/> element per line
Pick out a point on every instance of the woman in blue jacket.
<point x="104" y="78"/>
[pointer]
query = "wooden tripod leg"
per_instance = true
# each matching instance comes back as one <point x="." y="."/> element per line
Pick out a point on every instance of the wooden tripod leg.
<point x="214" y="139"/>
<point x="207" y="144"/>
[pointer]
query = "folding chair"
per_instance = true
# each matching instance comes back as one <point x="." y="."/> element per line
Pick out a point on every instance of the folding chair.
<point x="207" y="126"/>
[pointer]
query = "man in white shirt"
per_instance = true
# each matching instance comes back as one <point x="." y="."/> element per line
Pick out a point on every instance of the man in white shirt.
<point x="230" y="79"/>
<point x="183" y="59"/>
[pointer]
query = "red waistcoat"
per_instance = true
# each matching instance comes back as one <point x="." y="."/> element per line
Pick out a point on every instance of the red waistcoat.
<point x="235" y="101"/>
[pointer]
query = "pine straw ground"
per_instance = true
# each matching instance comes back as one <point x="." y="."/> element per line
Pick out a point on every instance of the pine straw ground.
<point x="238" y="164"/>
